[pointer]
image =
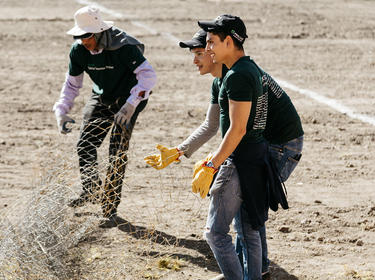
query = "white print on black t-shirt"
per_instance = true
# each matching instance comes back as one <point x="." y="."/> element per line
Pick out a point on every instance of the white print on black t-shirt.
<point x="273" y="86"/>
<point x="261" y="112"/>
<point x="100" y="68"/>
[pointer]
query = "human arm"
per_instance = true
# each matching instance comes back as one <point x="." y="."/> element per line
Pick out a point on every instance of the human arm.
<point x="203" y="133"/>
<point x="200" y="136"/>
<point x="205" y="170"/>
<point x="236" y="94"/>
<point x="146" y="78"/>
<point x="239" y="112"/>
<point x="69" y="91"/>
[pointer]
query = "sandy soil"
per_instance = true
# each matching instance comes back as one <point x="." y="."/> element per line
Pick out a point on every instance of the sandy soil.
<point x="325" y="46"/>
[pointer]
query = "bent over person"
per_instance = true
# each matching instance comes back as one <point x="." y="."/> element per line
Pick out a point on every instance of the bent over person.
<point x="122" y="82"/>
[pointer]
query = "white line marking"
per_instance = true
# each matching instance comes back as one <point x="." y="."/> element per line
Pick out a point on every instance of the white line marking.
<point x="171" y="37"/>
<point x="313" y="95"/>
<point x="144" y="26"/>
<point x="103" y="9"/>
<point x="120" y="15"/>
<point x="329" y="102"/>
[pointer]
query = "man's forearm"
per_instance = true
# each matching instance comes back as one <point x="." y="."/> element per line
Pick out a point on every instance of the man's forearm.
<point x="146" y="77"/>
<point x="203" y="133"/>
<point x="227" y="146"/>
<point x="239" y="113"/>
<point x="69" y="92"/>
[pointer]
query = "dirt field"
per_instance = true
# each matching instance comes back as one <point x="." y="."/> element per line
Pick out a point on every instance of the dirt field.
<point x="324" y="46"/>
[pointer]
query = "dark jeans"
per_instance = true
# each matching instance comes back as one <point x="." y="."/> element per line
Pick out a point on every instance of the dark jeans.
<point x="286" y="157"/>
<point x="98" y="119"/>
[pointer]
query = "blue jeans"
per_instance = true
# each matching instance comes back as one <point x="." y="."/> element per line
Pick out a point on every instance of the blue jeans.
<point x="286" y="157"/>
<point x="250" y="254"/>
<point x="225" y="205"/>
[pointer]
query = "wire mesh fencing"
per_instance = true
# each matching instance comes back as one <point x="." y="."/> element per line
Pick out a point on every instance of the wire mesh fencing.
<point x="35" y="244"/>
<point x="62" y="229"/>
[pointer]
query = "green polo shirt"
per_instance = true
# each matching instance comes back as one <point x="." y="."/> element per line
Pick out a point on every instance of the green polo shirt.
<point x="216" y="84"/>
<point x="215" y="88"/>
<point x="243" y="82"/>
<point x="111" y="71"/>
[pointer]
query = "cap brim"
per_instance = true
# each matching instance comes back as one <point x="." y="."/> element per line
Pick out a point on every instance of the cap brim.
<point x="208" y="25"/>
<point x="191" y="44"/>
<point x="77" y="31"/>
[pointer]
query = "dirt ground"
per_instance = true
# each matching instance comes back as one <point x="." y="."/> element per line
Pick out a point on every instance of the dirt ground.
<point x="324" y="46"/>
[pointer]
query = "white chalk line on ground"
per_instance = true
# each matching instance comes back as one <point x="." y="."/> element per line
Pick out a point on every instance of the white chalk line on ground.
<point x="329" y="102"/>
<point x="102" y="8"/>
<point x="149" y="29"/>
<point x="334" y="104"/>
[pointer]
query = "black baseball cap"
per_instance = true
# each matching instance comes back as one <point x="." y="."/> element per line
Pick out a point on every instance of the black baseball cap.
<point x="231" y="25"/>
<point x="198" y="41"/>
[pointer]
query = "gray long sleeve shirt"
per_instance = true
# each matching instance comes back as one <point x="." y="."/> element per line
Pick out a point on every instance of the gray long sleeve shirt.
<point x="203" y="133"/>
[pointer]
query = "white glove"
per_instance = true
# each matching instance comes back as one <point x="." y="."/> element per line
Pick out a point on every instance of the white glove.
<point x="62" y="121"/>
<point x="125" y="114"/>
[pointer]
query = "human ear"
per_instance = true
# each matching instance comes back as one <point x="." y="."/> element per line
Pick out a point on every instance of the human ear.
<point x="230" y="42"/>
<point x="227" y="41"/>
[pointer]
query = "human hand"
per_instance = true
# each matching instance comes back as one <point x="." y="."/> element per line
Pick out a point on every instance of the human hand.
<point x="203" y="178"/>
<point x="166" y="157"/>
<point x="62" y="121"/>
<point x="124" y="115"/>
<point x="199" y="165"/>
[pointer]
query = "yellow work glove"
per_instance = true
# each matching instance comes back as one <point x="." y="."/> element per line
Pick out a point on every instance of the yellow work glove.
<point x="202" y="180"/>
<point x="199" y="165"/>
<point x="166" y="157"/>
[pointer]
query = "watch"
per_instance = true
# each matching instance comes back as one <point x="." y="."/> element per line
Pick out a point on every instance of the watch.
<point x="210" y="164"/>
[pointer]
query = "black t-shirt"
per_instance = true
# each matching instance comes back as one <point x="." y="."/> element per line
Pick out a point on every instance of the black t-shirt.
<point x="243" y="82"/>
<point x="112" y="71"/>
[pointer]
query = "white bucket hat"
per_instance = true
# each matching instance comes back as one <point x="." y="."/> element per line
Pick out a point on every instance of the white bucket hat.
<point x="88" y="20"/>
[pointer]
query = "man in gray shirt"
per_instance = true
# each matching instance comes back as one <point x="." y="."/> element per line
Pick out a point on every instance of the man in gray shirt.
<point x="210" y="126"/>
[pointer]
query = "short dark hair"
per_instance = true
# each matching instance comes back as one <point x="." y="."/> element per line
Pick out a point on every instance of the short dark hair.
<point x="222" y="35"/>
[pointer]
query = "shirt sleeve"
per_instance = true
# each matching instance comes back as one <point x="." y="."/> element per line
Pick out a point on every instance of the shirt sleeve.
<point x="77" y="57"/>
<point x="146" y="78"/>
<point x="69" y="92"/>
<point x="239" y="87"/>
<point x="215" y="91"/>
<point x="203" y="133"/>
<point x="131" y="56"/>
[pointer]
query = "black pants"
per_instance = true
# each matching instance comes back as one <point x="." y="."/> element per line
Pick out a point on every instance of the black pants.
<point x="97" y="121"/>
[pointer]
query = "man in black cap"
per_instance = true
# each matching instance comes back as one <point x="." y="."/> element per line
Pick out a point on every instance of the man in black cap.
<point x="225" y="192"/>
<point x="283" y="131"/>
<point x="283" y="128"/>
<point x="209" y="127"/>
<point x="243" y="103"/>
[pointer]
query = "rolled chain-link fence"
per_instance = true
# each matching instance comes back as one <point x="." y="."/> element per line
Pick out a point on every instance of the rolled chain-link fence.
<point x="55" y="235"/>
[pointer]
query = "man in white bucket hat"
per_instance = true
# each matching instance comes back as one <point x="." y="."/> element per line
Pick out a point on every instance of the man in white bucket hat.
<point x="122" y="82"/>
<point x="88" y="20"/>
